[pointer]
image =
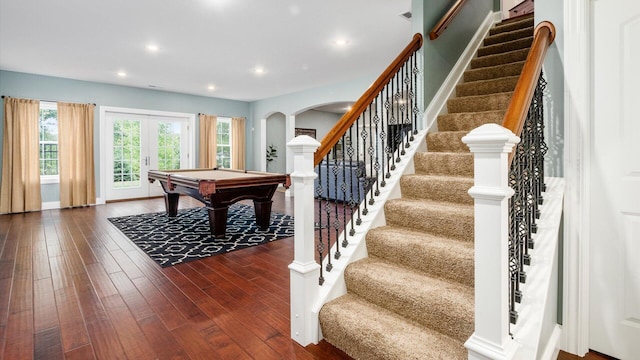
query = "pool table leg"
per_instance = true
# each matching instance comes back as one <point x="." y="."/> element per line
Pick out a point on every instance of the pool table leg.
<point x="218" y="220"/>
<point x="171" y="203"/>
<point x="263" y="213"/>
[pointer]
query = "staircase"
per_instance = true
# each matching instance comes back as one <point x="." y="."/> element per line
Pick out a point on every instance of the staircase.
<point x="413" y="297"/>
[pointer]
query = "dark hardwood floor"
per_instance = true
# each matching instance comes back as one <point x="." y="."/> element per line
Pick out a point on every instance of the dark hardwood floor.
<point x="73" y="287"/>
<point x="592" y="355"/>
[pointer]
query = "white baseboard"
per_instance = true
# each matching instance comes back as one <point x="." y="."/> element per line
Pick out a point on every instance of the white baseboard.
<point x="51" y="205"/>
<point x="439" y="102"/>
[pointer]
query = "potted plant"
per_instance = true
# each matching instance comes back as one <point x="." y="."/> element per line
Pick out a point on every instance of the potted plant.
<point x="272" y="154"/>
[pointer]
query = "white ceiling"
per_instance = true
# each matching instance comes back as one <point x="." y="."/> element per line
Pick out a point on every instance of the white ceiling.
<point x="204" y="42"/>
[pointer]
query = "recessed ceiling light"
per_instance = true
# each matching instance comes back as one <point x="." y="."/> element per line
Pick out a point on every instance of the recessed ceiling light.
<point x="258" y="70"/>
<point x="122" y="74"/>
<point x="211" y="87"/>
<point x="151" y="47"/>
<point x="341" y="42"/>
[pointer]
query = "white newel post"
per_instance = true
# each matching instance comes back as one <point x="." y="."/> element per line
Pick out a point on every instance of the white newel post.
<point x="491" y="145"/>
<point x="304" y="270"/>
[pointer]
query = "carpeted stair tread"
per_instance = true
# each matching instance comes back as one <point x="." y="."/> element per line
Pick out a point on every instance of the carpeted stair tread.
<point x="488" y="86"/>
<point x="507" y="36"/>
<point x="437" y="188"/>
<point x="498" y="101"/>
<point x="367" y="331"/>
<point x="449" y="164"/>
<point x="504" y="47"/>
<point x="492" y="72"/>
<point x="437" y="256"/>
<point x="445" y="307"/>
<point x="469" y="121"/>
<point x="497" y="59"/>
<point x="512" y="25"/>
<point x="447" y="141"/>
<point x="439" y="218"/>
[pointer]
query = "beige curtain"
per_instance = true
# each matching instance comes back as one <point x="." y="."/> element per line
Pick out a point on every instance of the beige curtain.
<point x="208" y="141"/>
<point x="75" y="151"/>
<point x="237" y="143"/>
<point x="20" y="190"/>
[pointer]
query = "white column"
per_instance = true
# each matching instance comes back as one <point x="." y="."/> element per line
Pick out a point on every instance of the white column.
<point x="304" y="270"/>
<point x="491" y="145"/>
<point x="290" y="131"/>
<point x="262" y="145"/>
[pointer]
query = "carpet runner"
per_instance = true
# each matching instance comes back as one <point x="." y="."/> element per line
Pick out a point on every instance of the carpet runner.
<point x="412" y="298"/>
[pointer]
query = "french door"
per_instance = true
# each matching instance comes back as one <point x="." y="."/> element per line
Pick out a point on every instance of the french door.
<point x="136" y="143"/>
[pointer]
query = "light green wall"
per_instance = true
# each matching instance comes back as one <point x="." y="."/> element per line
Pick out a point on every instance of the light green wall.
<point x="440" y="55"/>
<point x="276" y="136"/>
<point x="21" y="85"/>
<point x="553" y="68"/>
<point x="321" y="121"/>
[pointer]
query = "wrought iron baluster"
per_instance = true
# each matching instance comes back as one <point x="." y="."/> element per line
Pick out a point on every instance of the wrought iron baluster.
<point x="328" y="212"/>
<point x="320" y="246"/>
<point x="350" y="201"/>
<point x="335" y="222"/>
<point x="364" y="174"/>
<point x="406" y="121"/>
<point x="377" y="164"/>
<point x="385" y="128"/>
<point x="540" y="143"/>
<point x="513" y="253"/>
<point x="415" y="109"/>
<point x="395" y="122"/>
<point x="382" y="136"/>
<point x="354" y="205"/>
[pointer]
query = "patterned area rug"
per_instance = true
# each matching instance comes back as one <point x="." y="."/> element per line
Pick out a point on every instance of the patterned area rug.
<point x="171" y="241"/>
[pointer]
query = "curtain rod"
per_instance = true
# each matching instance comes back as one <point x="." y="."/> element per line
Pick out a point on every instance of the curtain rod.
<point x="55" y="101"/>
<point x="227" y="116"/>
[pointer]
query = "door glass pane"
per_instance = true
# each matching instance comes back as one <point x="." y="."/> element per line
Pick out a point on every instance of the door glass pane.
<point x="169" y="145"/>
<point x="126" y="153"/>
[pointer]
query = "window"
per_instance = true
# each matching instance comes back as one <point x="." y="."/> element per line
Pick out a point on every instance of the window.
<point x="169" y="145"/>
<point x="48" y="142"/>
<point x="223" y="130"/>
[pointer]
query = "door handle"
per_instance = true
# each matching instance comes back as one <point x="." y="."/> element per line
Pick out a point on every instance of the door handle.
<point x="146" y="161"/>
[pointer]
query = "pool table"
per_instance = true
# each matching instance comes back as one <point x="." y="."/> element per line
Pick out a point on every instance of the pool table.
<point x="219" y="188"/>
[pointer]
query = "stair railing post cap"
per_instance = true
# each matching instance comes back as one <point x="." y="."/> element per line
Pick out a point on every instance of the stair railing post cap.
<point x="490" y="137"/>
<point x="303" y="141"/>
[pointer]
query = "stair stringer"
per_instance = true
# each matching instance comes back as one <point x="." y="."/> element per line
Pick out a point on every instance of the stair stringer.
<point x="537" y="330"/>
<point x="334" y="284"/>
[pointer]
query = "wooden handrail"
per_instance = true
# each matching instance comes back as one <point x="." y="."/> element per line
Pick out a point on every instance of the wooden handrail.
<point x="446" y="20"/>
<point x="518" y="108"/>
<point x="345" y="122"/>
